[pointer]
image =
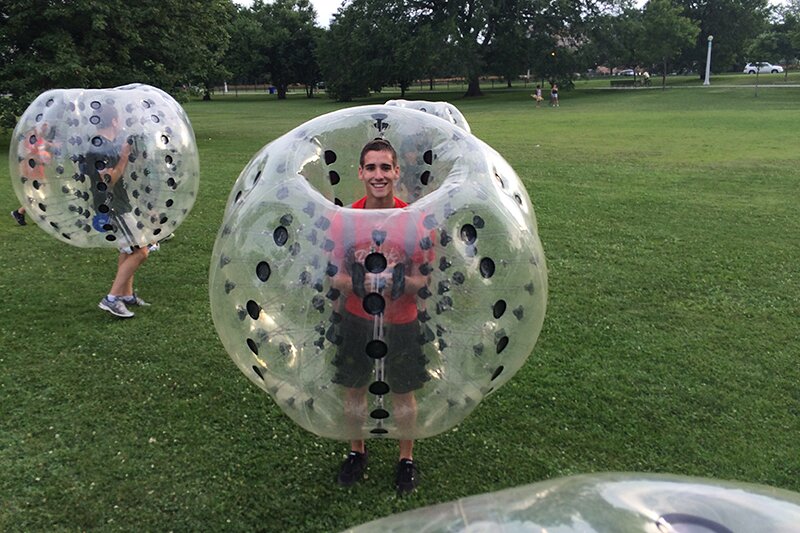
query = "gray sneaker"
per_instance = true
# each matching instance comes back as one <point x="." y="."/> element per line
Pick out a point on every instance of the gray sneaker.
<point x="116" y="308"/>
<point x="135" y="300"/>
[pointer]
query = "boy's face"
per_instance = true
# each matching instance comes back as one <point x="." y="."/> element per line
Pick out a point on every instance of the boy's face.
<point x="379" y="174"/>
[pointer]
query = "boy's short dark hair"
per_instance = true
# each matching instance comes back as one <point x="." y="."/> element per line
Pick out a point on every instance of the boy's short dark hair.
<point x="378" y="145"/>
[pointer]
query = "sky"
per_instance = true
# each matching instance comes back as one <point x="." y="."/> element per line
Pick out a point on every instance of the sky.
<point x="324" y="8"/>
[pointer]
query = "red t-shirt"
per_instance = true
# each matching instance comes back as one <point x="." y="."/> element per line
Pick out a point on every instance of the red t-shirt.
<point x="399" y="237"/>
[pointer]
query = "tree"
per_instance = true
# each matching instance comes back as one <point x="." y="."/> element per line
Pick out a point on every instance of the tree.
<point x="482" y="30"/>
<point x="84" y="43"/>
<point x="667" y="33"/>
<point x="281" y="39"/>
<point x="619" y="37"/>
<point x="375" y="43"/>
<point x="731" y="22"/>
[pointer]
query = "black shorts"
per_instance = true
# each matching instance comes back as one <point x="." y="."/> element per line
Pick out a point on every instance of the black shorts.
<point x="403" y="364"/>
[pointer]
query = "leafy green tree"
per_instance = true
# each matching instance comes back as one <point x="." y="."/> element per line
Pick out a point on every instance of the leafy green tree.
<point x="85" y="43"/>
<point x="483" y="29"/>
<point x="667" y="32"/>
<point x="619" y="38"/>
<point x="375" y="43"/>
<point x="281" y="40"/>
<point x="731" y="22"/>
<point x="772" y="46"/>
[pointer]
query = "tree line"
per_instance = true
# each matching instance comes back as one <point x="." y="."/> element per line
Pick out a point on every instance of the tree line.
<point x="184" y="45"/>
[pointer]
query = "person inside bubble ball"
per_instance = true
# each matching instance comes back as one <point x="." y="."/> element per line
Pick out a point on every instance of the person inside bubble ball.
<point x="36" y="152"/>
<point x="104" y="164"/>
<point x="403" y="366"/>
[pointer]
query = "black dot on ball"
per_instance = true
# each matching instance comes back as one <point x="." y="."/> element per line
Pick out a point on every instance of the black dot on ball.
<point x="379" y="414"/>
<point x="257" y="177"/>
<point x="169" y="202"/>
<point x="163" y="219"/>
<point x="379" y="388"/>
<point x="238" y="195"/>
<point x="425" y="177"/>
<point x="280" y="235"/>
<point x="487" y="267"/>
<point x="97" y="141"/>
<point x="468" y="233"/>
<point x="518" y="198"/>
<point x="374" y="304"/>
<point x="94" y="119"/>
<point x="428" y="157"/>
<point x="379" y="431"/>
<point x="253" y="346"/>
<point x="155" y="118"/>
<point x="497" y="372"/>
<point x="101" y="186"/>
<point x="263" y="271"/>
<point x="376" y="349"/>
<point x="103" y="208"/>
<point x="338" y="202"/>
<point x="334" y="177"/>
<point x="95" y="105"/>
<point x="100" y="165"/>
<point x="111" y="238"/>
<point x="499" y="308"/>
<point x="258" y="372"/>
<point x="165" y="139"/>
<point x="501" y="344"/>
<point x="253" y="309"/>
<point x="168" y="159"/>
<point x="689" y="522"/>
<point x="375" y="262"/>
<point x="478" y="221"/>
<point x="49" y="102"/>
<point x="330" y="157"/>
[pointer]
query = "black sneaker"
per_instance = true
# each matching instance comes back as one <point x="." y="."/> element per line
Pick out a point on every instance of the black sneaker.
<point x="19" y="217"/>
<point x="352" y="469"/>
<point x="407" y="477"/>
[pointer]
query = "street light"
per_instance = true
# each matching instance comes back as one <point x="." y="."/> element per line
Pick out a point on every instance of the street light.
<point x="708" y="61"/>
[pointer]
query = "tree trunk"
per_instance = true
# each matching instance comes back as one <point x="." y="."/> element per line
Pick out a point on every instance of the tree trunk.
<point x="281" y="91"/>
<point x="664" y="76"/>
<point x="474" y="87"/>
<point x="430" y="83"/>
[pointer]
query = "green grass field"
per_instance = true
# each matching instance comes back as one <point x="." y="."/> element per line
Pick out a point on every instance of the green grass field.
<point x="670" y="224"/>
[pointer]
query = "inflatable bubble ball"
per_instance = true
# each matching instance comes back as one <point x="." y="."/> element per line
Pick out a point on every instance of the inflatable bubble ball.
<point x="378" y="322"/>
<point x="105" y="167"/>
<point x="443" y="110"/>
<point x="646" y="503"/>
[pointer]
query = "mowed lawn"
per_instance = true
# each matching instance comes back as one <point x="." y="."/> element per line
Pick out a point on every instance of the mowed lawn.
<point x="671" y="343"/>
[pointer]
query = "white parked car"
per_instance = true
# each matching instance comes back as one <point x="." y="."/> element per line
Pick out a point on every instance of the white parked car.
<point x="762" y="68"/>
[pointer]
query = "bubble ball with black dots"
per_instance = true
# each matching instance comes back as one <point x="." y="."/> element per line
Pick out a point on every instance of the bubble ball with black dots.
<point x="469" y="231"/>
<point x="443" y="110"/>
<point x="62" y="157"/>
<point x="612" y="501"/>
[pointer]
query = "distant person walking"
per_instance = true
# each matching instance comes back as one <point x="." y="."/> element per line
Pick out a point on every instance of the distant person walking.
<point x="554" y="95"/>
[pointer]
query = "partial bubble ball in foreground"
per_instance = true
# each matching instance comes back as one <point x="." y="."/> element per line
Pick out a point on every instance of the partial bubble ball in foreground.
<point x="608" y="502"/>
<point x="470" y="228"/>
<point x="61" y="155"/>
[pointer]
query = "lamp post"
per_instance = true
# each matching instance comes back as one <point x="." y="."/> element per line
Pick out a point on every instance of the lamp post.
<point x="708" y="61"/>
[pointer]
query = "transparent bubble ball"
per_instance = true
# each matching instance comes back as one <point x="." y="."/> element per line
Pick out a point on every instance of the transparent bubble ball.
<point x="614" y="501"/>
<point x="443" y="110"/>
<point x="64" y="150"/>
<point x="469" y="230"/>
